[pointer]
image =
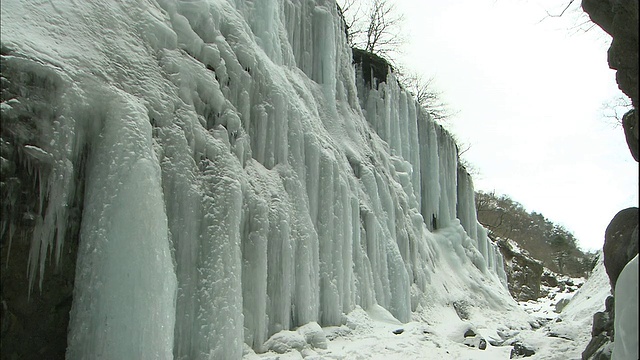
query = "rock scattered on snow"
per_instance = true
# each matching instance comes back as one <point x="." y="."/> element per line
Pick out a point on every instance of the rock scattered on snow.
<point x="475" y="341"/>
<point x="461" y="308"/>
<point x="483" y="344"/>
<point x="521" y="351"/>
<point x="561" y="304"/>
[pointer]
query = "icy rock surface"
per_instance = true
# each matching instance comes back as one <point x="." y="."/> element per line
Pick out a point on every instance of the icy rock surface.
<point x="240" y="178"/>
<point x="625" y="345"/>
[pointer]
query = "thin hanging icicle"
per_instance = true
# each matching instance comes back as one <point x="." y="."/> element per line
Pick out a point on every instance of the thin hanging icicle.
<point x="10" y="239"/>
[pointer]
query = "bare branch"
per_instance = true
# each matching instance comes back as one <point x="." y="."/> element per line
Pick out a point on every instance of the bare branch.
<point x="426" y="94"/>
<point x="373" y="27"/>
<point x="463" y="149"/>
<point x="614" y="109"/>
<point x="562" y="12"/>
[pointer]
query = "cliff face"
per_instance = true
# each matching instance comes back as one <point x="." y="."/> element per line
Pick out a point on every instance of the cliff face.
<point x="524" y="273"/>
<point x="225" y="175"/>
<point x="620" y="20"/>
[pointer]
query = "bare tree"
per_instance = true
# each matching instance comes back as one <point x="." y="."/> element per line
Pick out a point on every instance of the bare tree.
<point x="353" y="14"/>
<point x="560" y="12"/>
<point x="383" y="31"/>
<point x="373" y="26"/>
<point x="572" y="11"/>
<point x="426" y="94"/>
<point x="614" y="109"/>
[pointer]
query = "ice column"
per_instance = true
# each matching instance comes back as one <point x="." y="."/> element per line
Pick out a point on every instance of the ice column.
<point x="124" y="294"/>
<point x="429" y="170"/>
<point x="219" y="318"/>
<point x="448" y="156"/>
<point x="466" y="207"/>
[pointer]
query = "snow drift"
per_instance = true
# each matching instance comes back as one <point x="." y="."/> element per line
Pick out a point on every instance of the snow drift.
<point x="239" y="176"/>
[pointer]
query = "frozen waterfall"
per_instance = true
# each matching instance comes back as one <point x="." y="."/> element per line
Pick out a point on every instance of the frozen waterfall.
<point x="240" y="177"/>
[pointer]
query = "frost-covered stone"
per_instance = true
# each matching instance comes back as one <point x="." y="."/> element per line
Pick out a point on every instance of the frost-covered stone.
<point x="521" y="351"/>
<point x="284" y="341"/>
<point x="313" y="335"/>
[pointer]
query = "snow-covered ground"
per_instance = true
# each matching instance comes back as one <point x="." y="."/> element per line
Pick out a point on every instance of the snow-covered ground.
<point x="438" y="332"/>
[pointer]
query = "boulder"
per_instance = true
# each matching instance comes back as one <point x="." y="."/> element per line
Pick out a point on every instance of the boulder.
<point x="549" y="279"/>
<point x="561" y="304"/>
<point x="609" y="303"/>
<point x="313" y="335"/>
<point x="285" y="341"/>
<point x="521" y="351"/>
<point x="462" y="309"/>
<point x="599" y="348"/>
<point x="469" y="333"/>
<point x="621" y="242"/>
<point x="600" y="320"/>
<point x="483" y="344"/>
<point x="596" y="348"/>
<point x="475" y="341"/>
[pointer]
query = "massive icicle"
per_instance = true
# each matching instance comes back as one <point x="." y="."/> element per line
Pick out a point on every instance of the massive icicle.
<point x="124" y="296"/>
<point x="239" y="181"/>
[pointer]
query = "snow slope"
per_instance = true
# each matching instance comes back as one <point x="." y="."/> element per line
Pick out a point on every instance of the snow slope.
<point x="565" y="335"/>
<point x="240" y="180"/>
<point x="437" y="332"/>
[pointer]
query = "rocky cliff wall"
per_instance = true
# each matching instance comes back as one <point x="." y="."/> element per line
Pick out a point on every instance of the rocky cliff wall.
<point x="620" y="20"/>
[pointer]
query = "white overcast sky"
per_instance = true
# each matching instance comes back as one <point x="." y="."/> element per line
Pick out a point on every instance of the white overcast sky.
<point x="529" y="97"/>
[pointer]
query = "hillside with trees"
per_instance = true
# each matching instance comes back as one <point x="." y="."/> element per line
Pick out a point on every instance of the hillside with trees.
<point x="552" y="244"/>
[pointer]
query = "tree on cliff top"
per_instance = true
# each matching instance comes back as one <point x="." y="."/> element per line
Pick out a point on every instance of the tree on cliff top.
<point x="373" y="26"/>
<point x="426" y="94"/>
